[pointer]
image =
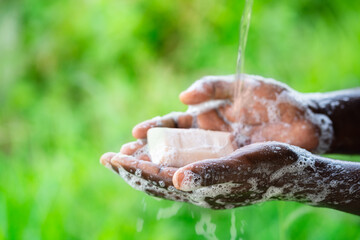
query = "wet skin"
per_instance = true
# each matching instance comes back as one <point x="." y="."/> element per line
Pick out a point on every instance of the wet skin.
<point x="319" y="184"/>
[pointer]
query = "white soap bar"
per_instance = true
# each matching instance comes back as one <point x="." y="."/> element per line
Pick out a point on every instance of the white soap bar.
<point x="177" y="147"/>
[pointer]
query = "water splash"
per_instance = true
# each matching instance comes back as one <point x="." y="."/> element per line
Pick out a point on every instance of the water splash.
<point x="169" y="212"/>
<point x="205" y="227"/>
<point x="139" y="224"/>
<point x="233" y="232"/>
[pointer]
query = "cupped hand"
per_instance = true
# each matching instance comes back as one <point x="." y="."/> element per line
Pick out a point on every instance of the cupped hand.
<point x="270" y="111"/>
<point x="247" y="176"/>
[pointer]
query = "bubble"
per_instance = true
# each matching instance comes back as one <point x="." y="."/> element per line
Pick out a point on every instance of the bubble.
<point x="272" y="192"/>
<point x="354" y="188"/>
<point x="333" y="183"/>
<point x="138" y="172"/>
<point x="162" y="183"/>
<point x="171" y="188"/>
<point x="190" y="181"/>
<point x="206" y="106"/>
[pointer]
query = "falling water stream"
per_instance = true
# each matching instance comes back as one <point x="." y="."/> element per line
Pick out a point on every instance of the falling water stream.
<point x="239" y="81"/>
<point x="205" y="227"/>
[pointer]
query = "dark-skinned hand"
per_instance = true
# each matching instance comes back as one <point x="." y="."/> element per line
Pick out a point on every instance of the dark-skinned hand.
<point x="259" y="170"/>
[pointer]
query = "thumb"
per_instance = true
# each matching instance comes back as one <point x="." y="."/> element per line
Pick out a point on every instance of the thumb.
<point x="236" y="167"/>
<point x="208" y="88"/>
<point x="209" y="172"/>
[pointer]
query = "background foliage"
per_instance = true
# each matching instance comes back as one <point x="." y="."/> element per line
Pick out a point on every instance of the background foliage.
<point x="75" y="76"/>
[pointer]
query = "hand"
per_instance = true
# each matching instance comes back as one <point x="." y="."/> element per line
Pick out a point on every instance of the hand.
<point x="293" y="119"/>
<point x="270" y="111"/>
<point x="245" y="177"/>
<point x="256" y="172"/>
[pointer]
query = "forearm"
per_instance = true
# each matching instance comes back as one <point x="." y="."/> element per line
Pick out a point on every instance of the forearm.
<point x="343" y="109"/>
<point x="325" y="183"/>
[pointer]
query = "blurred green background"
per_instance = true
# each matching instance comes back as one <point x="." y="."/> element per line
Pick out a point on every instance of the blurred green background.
<point x="75" y="76"/>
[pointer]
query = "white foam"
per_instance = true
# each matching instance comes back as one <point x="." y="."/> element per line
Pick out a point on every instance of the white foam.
<point x="190" y="181"/>
<point x="272" y="192"/>
<point x="142" y="151"/>
<point x="354" y="188"/>
<point x="138" y="172"/>
<point x="326" y="135"/>
<point x="206" y="106"/>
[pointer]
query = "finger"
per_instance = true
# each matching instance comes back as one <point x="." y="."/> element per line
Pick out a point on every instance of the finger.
<point x="228" y="112"/>
<point x="211" y="120"/>
<point x="145" y="169"/>
<point x="206" y="89"/>
<point x="181" y="120"/>
<point x="185" y="121"/>
<point x="136" y="149"/>
<point x="105" y="160"/>
<point x="140" y="130"/>
<point x="144" y="157"/>
<point x="132" y="147"/>
<point x="207" y="173"/>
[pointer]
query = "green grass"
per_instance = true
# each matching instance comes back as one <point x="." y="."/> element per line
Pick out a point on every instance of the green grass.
<point x="75" y="76"/>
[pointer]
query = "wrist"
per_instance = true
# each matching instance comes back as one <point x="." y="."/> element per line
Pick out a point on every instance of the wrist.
<point x="342" y="109"/>
<point x="322" y="182"/>
<point x="318" y="115"/>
